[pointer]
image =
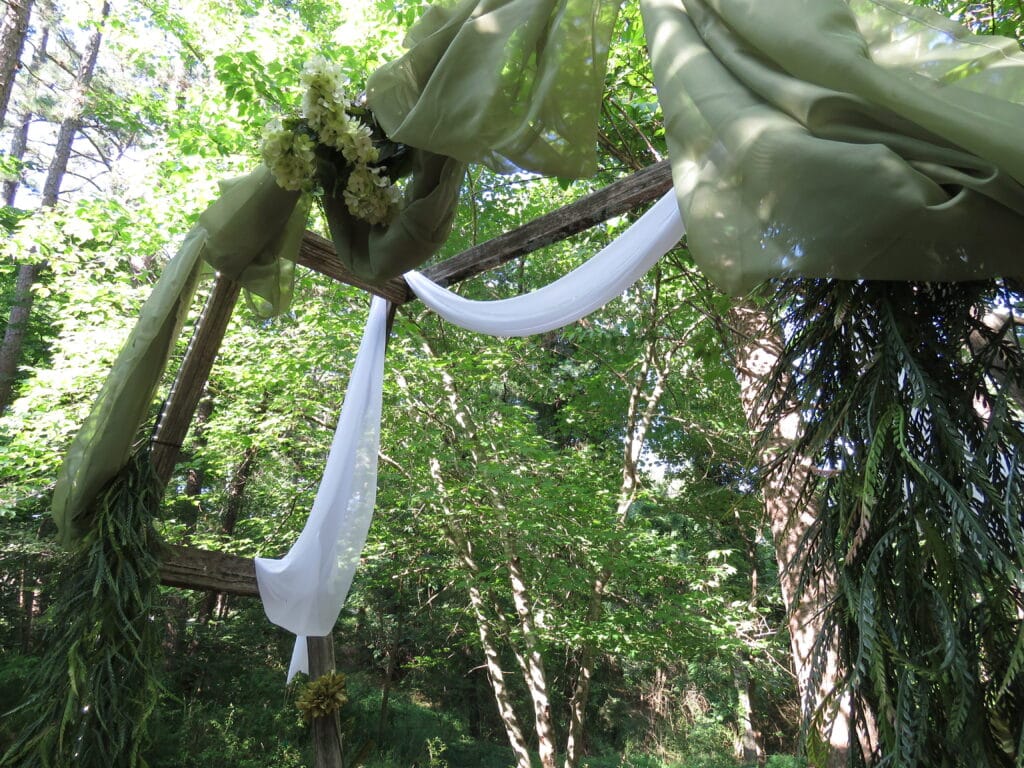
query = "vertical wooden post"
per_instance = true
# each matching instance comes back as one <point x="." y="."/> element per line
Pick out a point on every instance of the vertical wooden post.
<point x="192" y="376"/>
<point x="326" y="730"/>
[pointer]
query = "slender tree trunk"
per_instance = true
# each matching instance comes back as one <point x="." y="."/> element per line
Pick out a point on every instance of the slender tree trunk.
<point x="10" y="353"/>
<point x="29" y="602"/>
<point x="19" y="144"/>
<point x="485" y="629"/>
<point x="748" y="746"/>
<point x="72" y="123"/>
<point x="464" y="549"/>
<point x="534" y="675"/>
<point x="215" y="603"/>
<point x="13" y="30"/>
<point x="14" y="334"/>
<point x="531" y="662"/>
<point x="195" y="477"/>
<point x="758" y="346"/>
<point x="644" y="399"/>
<point x="385" y="694"/>
<point x="28" y="274"/>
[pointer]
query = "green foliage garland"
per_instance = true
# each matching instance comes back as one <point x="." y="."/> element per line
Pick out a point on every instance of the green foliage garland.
<point x="95" y="688"/>
<point x="913" y="402"/>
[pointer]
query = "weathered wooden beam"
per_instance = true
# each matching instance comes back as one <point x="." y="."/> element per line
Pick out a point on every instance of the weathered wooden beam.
<point x="318" y="254"/>
<point x="192" y="377"/>
<point x="191" y="568"/>
<point x="617" y="198"/>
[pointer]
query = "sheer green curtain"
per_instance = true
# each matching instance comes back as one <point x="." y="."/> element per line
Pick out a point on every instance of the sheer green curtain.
<point x="244" y="234"/>
<point x="856" y="140"/>
<point x="509" y="83"/>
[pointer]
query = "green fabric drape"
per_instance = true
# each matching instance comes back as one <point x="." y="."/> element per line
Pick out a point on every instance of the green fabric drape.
<point x="244" y="234"/>
<point x="255" y="230"/>
<point x="419" y="229"/>
<point x="104" y="443"/>
<point x="829" y="139"/>
<point x="509" y="83"/>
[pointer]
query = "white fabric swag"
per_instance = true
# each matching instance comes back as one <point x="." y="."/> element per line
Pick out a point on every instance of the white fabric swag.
<point x="304" y="591"/>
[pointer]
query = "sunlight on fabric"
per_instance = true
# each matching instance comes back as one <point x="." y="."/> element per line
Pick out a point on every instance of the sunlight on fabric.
<point x="304" y="591"/>
<point x="588" y="287"/>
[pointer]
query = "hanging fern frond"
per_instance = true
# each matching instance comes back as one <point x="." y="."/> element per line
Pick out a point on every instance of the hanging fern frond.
<point x="96" y="686"/>
<point x="910" y="396"/>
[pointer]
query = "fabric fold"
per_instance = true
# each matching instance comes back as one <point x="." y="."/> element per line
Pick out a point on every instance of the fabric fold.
<point x="304" y="590"/>
<point x="590" y="286"/>
<point x="508" y="83"/>
<point x="854" y="140"/>
<point x="420" y="227"/>
<point x="256" y="228"/>
<point x="252" y="234"/>
<point x="103" y="444"/>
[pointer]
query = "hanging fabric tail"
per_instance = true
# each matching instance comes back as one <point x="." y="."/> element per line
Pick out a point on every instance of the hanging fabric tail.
<point x="304" y="590"/>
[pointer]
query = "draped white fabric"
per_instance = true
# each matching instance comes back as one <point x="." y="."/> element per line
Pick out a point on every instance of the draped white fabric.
<point x="304" y="591"/>
<point x="577" y="294"/>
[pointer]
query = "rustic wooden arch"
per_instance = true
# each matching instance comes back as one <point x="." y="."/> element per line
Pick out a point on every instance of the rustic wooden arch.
<point x="199" y="569"/>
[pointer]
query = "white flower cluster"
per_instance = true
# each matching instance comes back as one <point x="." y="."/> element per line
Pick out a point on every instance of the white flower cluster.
<point x="289" y="156"/>
<point x="324" y="107"/>
<point x="370" y="196"/>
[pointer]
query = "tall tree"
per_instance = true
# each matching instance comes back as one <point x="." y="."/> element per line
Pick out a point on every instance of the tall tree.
<point x="919" y="522"/>
<point x="13" y="31"/>
<point x="791" y="515"/>
<point x="21" y="308"/>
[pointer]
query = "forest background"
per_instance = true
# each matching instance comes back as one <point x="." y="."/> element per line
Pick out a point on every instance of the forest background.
<point x="515" y="474"/>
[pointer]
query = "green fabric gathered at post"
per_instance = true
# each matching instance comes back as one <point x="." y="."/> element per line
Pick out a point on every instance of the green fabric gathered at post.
<point x="861" y="139"/>
<point x="378" y="253"/>
<point x="512" y="84"/>
<point x="251" y="233"/>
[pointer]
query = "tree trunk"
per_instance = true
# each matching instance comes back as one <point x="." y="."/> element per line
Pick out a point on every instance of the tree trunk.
<point x="748" y="746"/>
<point x="214" y="603"/>
<point x="28" y="599"/>
<point x="492" y="658"/>
<point x="464" y="550"/>
<point x="10" y="353"/>
<point x="644" y="399"/>
<point x="75" y="104"/>
<point x="534" y="675"/>
<point x="14" y="334"/>
<point x="758" y="346"/>
<point x="19" y="144"/>
<point x="195" y="477"/>
<point x="385" y="695"/>
<point x="13" y="29"/>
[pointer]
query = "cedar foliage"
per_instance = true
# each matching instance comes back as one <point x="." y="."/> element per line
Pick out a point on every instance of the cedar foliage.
<point x="908" y="398"/>
<point x="95" y="688"/>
